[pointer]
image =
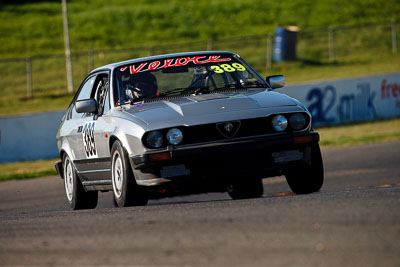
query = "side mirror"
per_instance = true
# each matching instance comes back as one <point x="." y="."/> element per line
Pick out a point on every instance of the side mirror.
<point x="276" y="81"/>
<point x="86" y="106"/>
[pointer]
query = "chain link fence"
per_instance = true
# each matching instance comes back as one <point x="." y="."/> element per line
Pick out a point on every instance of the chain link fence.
<point x="26" y="78"/>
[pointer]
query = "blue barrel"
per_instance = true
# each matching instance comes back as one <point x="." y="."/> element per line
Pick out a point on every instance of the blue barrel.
<point x="285" y="40"/>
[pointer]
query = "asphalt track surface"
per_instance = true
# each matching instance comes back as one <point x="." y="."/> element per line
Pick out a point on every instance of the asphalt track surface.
<point x="353" y="221"/>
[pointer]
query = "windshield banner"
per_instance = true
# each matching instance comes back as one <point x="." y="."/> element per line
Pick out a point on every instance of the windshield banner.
<point x="173" y="62"/>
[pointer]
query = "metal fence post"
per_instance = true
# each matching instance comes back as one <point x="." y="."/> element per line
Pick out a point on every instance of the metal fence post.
<point x="210" y="45"/>
<point x="268" y="63"/>
<point x="394" y="37"/>
<point x="28" y="62"/>
<point x="68" y="60"/>
<point x="90" y="60"/>
<point x="331" y="44"/>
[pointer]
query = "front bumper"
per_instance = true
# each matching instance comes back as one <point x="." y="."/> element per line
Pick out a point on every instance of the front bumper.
<point x="59" y="168"/>
<point x="224" y="159"/>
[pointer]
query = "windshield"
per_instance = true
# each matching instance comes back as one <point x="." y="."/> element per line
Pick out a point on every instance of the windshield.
<point x="184" y="75"/>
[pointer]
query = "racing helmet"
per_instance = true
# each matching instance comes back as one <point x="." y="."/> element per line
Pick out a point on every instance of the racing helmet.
<point x="144" y="84"/>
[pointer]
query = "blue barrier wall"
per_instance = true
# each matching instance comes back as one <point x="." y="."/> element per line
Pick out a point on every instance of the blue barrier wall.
<point x="29" y="137"/>
<point x="350" y="100"/>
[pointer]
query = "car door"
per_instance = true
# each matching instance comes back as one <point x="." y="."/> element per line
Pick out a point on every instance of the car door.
<point x="72" y="127"/>
<point x="94" y="163"/>
<point x="87" y="139"/>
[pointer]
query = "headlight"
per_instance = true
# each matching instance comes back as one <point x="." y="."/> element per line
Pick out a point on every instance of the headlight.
<point x="174" y="136"/>
<point x="279" y="122"/>
<point x="155" y="139"/>
<point x="297" y="121"/>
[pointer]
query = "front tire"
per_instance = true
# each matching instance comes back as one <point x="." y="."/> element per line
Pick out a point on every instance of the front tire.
<point x="309" y="178"/>
<point x="77" y="197"/>
<point x="241" y="188"/>
<point x="125" y="190"/>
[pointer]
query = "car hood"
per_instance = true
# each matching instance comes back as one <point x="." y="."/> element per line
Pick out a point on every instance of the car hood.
<point x="209" y="108"/>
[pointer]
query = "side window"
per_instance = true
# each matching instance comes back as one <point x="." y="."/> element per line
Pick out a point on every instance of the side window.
<point x="86" y="89"/>
<point x="83" y="94"/>
<point x="100" y="93"/>
<point x="107" y="103"/>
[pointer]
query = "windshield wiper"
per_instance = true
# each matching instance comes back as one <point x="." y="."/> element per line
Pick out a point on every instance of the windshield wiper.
<point x="256" y="84"/>
<point x="181" y="91"/>
<point x="239" y="85"/>
<point x="173" y="92"/>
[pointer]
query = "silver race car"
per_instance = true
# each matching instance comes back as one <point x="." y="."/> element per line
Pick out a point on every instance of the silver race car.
<point x="183" y="124"/>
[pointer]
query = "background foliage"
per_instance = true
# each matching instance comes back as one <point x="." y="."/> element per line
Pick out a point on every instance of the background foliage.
<point x="31" y="28"/>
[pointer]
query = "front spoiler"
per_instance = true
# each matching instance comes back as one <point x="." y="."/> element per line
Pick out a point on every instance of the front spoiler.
<point x="59" y="168"/>
<point x="221" y="148"/>
<point x="245" y="155"/>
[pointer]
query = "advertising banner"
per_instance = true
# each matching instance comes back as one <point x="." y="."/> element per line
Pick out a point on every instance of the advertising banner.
<point x="350" y="100"/>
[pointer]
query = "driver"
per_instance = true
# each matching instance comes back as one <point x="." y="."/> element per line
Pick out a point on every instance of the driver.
<point x="141" y="85"/>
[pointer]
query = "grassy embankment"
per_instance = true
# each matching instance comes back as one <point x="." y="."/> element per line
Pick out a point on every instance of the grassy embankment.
<point x="364" y="133"/>
<point x="34" y="28"/>
<point x="31" y="28"/>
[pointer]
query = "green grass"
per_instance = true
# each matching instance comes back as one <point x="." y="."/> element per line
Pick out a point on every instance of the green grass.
<point x="27" y="169"/>
<point x="363" y="133"/>
<point x="35" y="27"/>
<point x="299" y="72"/>
<point x="27" y="175"/>
<point x="359" y="134"/>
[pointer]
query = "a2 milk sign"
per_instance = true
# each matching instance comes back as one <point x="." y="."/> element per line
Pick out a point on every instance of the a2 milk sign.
<point x="350" y="100"/>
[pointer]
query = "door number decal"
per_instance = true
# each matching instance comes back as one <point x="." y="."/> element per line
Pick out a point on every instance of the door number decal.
<point x="88" y="140"/>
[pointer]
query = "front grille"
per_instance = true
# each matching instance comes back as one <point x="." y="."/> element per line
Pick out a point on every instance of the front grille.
<point x="209" y="132"/>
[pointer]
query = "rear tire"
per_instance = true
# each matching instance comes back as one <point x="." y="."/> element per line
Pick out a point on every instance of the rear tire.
<point x="241" y="188"/>
<point x="77" y="197"/>
<point x="125" y="190"/>
<point x="309" y="178"/>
